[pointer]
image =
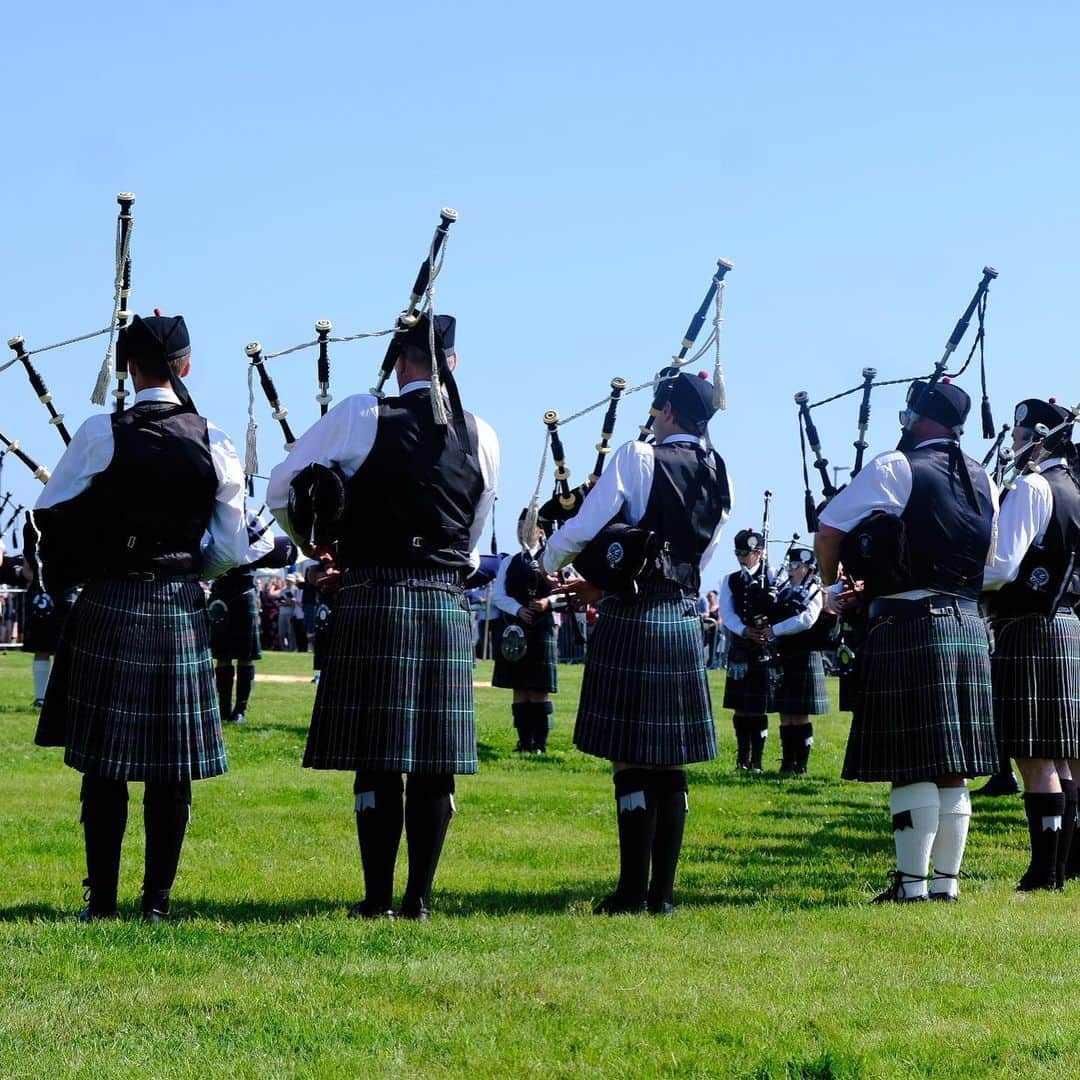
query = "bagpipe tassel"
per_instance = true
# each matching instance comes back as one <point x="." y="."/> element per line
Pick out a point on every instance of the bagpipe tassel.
<point x="251" y="451"/>
<point x="532" y="515"/>
<point x="811" y="513"/>
<point x="105" y="377"/>
<point x="719" y="394"/>
<point x="438" y="406"/>
<point x="989" y="429"/>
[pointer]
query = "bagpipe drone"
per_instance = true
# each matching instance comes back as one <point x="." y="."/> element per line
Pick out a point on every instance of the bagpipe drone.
<point x="118" y="320"/>
<point x="420" y="307"/>
<point x="566" y="501"/>
<point x="808" y="430"/>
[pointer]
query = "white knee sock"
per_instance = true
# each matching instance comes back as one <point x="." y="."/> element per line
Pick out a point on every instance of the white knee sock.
<point x="41" y="677"/>
<point x="947" y="853"/>
<point x="914" y="808"/>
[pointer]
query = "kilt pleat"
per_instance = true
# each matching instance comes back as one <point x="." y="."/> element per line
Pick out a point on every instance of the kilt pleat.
<point x="538" y="669"/>
<point x="237" y="636"/>
<point x="925" y="706"/>
<point x="396" y="689"/>
<point x="1036" y="672"/>
<point x="644" y="694"/>
<point x="132" y="694"/>
<point x="751" y="683"/>
<point x="801" y="690"/>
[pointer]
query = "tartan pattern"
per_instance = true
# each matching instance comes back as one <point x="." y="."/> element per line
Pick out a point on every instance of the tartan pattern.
<point x="1036" y="671"/>
<point x="237" y="637"/>
<point x="644" y="695"/>
<point x="538" y="669"/>
<point x="751" y="685"/>
<point x="925" y="705"/>
<point x="571" y="639"/>
<point x="801" y="690"/>
<point x="396" y="688"/>
<point x="43" y="631"/>
<point x="132" y="693"/>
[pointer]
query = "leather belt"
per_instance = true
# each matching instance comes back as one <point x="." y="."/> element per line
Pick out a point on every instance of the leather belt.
<point x="938" y="604"/>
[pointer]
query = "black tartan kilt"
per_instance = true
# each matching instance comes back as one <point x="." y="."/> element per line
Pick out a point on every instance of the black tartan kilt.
<point x="538" y="669"/>
<point x="132" y="695"/>
<point x="43" y="629"/>
<point x="801" y="690"/>
<point x="237" y="636"/>
<point x="396" y="689"/>
<point x="924" y="705"/>
<point x="751" y="683"/>
<point x="644" y="695"/>
<point x="1036" y="670"/>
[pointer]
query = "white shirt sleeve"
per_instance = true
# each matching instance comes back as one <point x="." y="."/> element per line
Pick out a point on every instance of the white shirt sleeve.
<point x="726" y="603"/>
<point x="488" y="454"/>
<point x="627" y="480"/>
<point x="1022" y="521"/>
<point x="883" y="484"/>
<point x="805" y="619"/>
<point x="343" y="437"/>
<point x="225" y="543"/>
<point x="499" y="596"/>
<point x="89" y="453"/>
<point x="709" y="553"/>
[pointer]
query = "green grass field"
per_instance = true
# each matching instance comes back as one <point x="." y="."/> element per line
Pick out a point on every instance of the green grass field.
<point x="774" y="965"/>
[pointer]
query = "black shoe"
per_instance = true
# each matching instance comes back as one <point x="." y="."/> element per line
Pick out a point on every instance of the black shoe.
<point x="416" y="912"/>
<point x="999" y="784"/>
<point x="239" y="717"/>
<point x="90" y="915"/>
<point x="1033" y="882"/>
<point x="523" y="747"/>
<point x="614" y="904"/>
<point x="894" y="894"/>
<point x="39" y="703"/>
<point x="664" y="908"/>
<point x="945" y="898"/>
<point x="154" y="916"/>
<point x="742" y="766"/>
<point x="365" y="911"/>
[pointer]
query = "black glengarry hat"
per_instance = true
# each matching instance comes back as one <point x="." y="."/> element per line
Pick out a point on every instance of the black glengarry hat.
<point x="748" y="540"/>
<point x="946" y="402"/>
<point x="1033" y="411"/>
<point x="691" y="396"/>
<point x="157" y="338"/>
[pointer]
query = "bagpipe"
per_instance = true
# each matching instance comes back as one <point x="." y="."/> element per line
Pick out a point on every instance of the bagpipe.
<point x="1011" y="464"/>
<point x="420" y="305"/>
<point x="808" y="430"/>
<point x="119" y="319"/>
<point x="566" y="501"/>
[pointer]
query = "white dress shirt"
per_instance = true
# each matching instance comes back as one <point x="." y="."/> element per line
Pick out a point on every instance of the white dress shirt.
<point x="345" y="436"/>
<point x="224" y="544"/>
<point x="625" y="484"/>
<point x="1022" y="522"/>
<point x="797" y="624"/>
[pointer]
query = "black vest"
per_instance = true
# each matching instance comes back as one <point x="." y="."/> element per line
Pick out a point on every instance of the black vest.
<point x="146" y="512"/>
<point x="793" y="600"/>
<point x="689" y="496"/>
<point x="413" y="500"/>
<point x="752" y="596"/>
<point x="1049" y="575"/>
<point x="948" y="538"/>
<point x="525" y="580"/>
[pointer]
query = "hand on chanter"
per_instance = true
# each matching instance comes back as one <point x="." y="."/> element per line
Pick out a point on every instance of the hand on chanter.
<point x="580" y="592"/>
<point x="525" y="615"/>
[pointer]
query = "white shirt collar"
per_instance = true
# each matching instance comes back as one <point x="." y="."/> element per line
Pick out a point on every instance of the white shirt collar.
<point x="157" y="393"/>
<point x="932" y="442"/>
<point x="418" y="384"/>
<point x="1050" y="463"/>
<point x="679" y="437"/>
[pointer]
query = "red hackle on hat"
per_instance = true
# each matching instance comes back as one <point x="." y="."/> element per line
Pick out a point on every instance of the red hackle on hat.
<point x="157" y="312"/>
<point x="702" y="374"/>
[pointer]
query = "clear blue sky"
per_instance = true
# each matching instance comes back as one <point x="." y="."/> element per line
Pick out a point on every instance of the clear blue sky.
<point x="859" y="163"/>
